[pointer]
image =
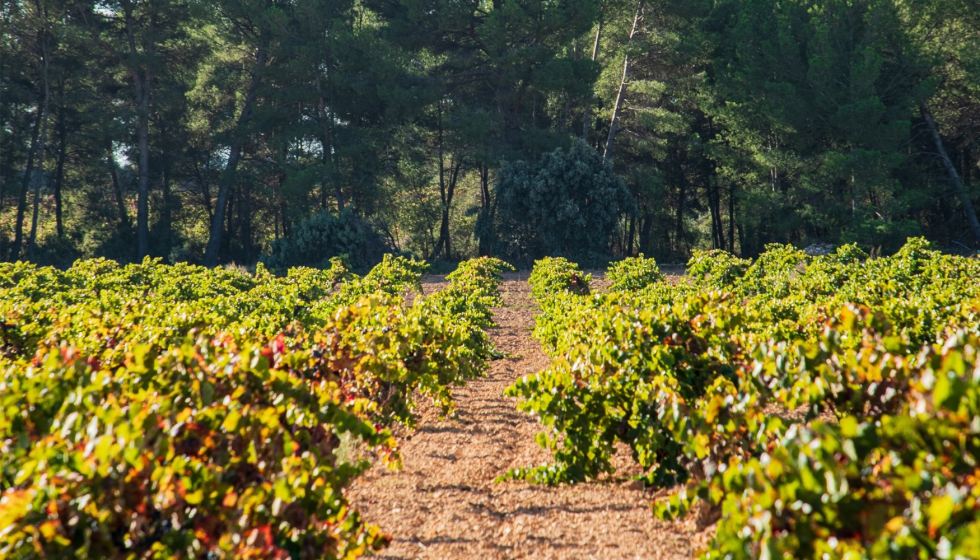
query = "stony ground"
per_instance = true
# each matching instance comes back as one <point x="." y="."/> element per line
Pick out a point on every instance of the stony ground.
<point x="445" y="504"/>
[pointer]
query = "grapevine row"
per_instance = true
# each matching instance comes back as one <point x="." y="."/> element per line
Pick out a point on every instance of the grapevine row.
<point x="157" y="411"/>
<point x="819" y="407"/>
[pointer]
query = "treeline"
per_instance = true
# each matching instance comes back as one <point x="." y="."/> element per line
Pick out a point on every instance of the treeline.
<point x="296" y="130"/>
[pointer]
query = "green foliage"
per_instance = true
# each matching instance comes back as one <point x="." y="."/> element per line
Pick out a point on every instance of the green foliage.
<point x="551" y="278"/>
<point x="205" y="446"/>
<point x="617" y="382"/>
<point x="773" y="271"/>
<point x="323" y="236"/>
<point x="633" y="273"/>
<point x="893" y="477"/>
<point x="755" y="123"/>
<point x="474" y="290"/>
<point x="552" y="275"/>
<point x="165" y="411"/>
<point x="723" y="392"/>
<point x="469" y="301"/>
<point x="392" y="276"/>
<point x="568" y="204"/>
<point x="716" y="269"/>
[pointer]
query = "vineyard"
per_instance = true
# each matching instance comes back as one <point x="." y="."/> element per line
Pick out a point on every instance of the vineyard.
<point x="794" y="406"/>
<point x="814" y="407"/>
<point x="163" y="411"/>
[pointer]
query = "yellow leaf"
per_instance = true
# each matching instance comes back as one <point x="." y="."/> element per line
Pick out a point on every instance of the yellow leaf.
<point x="13" y="506"/>
<point x="49" y="529"/>
<point x="894" y="524"/>
<point x="194" y="498"/>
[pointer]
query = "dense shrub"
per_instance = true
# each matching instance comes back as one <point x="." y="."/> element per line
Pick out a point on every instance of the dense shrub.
<point x="317" y="239"/>
<point x="568" y="204"/>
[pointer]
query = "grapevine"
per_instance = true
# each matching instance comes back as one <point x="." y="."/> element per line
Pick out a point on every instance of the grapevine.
<point x="817" y="406"/>
<point x="161" y="411"/>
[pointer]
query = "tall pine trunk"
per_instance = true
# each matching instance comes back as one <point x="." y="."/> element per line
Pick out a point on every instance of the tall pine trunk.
<point x="631" y="235"/>
<point x="167" y="212"/>
<point x="681" y="195"/>
<point x="45" y="65"/>
<point x="25" y="187"/>
<point x="954" y="178"/>
<point x="230" y="225"/>
<point x="731" y="218"/>
<point x="142" y="82"/>
<point x="213" y="250"/>
<point x="326" y="146"/>
<point x="142" y="200"/>
<point x="586" y="125"/>
<point x="614" y="122"/>
<point x="446" y="193"/>
<point x="245" y="223"/>
<point x="485" y="215"/>
<point x="118" y="192"/>
<point x="59" y="175"/>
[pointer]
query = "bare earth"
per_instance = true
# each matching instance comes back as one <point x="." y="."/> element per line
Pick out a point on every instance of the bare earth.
<point x="445" y="504"/>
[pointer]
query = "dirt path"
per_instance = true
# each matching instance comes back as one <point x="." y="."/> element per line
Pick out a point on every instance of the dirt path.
<point x="444" y="503"/>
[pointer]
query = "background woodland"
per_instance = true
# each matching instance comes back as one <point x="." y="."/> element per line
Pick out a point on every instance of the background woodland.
<point x="291" y="131"/>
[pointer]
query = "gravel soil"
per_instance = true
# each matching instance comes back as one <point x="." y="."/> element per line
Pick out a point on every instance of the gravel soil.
<point x="445" y="503"/>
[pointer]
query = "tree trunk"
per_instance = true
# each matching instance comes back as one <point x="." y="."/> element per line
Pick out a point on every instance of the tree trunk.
<point x="447" y="194"/>
<point x="444" y="227"/>
<point x="245" y="225"/>
<point x="631" y="235"/>
<point x="142" y="201"/>
<point x="484" y="187"/>
<point x="731" y="218"/>
<point x="59" y="176"/>
<point x="966" y="165"/>
<point x="45" y="64"/>
<point x="715" y="226"/>
<point x="277" y="205"/>
<point x="586" y="125"/>
<point x="512" y="117"/>
<point x="202" y="180"/>
<point x="716" y="219"/>
<point x="229" y="226"/>
<point x="646" y="232"/>
<point x="954" y="178"/>
<point x="166" y="220"/>
<point x="484" y="248"/>
<point x="211" y="253"/>
<point x="326" y="145"/>
<point x="512" y="128"/>
<point x="614" y="122"/>
<point x="141" y="89"/>
<point x="6" y="171"/>
<point x="442" y="192"/>
<point x="741" y="240"/>
<point x="681" y="194"/>
<point x="566" y="113"/>
<point x="24" y="187"/>
<point x="284" y="218"/>
<point x="714" y="201"/>
<point x="117" y="190"/>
